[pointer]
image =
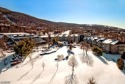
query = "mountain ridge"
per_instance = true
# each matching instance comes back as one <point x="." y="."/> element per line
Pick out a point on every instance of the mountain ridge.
<point x="28" y="21"/>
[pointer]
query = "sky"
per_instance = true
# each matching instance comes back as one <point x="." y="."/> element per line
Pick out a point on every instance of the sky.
<point x="103" y="12"/>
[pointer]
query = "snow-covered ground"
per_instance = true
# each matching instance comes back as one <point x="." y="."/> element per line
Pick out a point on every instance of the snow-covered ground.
<point x="46" y="70"/>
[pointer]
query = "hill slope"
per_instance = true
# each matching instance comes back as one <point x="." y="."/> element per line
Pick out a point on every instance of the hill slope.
<point x="18" y="20"/>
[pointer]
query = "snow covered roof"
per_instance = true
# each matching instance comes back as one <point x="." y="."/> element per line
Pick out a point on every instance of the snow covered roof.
<point x="21" y="33"/>
<point x="107" y="41"/>
<point x="66" y="32"/>
<point x="74" y="35"/>
<point x="44" y="36"/>
<point x="114" y="42"/>
<point x="94" y="38"/>
<point x="101" y="39"/>
<point x="87" y="38"/>
<point x="52" y="35"/>
<point x="60" y="35"/>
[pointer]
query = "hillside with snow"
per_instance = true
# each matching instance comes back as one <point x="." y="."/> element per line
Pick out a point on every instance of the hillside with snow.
<point x="44" y="69"/>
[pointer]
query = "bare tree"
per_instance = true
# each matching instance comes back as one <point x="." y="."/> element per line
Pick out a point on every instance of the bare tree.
<point x="87" y="47"/>
<point x="86" y="58"/>
<point x="71" y="79"/>
<point x="83" y="45"/>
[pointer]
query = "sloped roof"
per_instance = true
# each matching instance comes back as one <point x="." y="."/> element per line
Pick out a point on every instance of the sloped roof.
<point x="67" y="32"/>
<point x="114" y="42"/>
<point x="117" y="42"/>
<point x="39" y="40"/>
<point x="107" y="41"/>
<point x="101" y="39"/>
<point x="21" y="33"/>
<point x="94" y="38"/>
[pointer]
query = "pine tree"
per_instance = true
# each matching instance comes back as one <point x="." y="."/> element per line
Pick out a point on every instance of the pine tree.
<point x="23" y="48"/>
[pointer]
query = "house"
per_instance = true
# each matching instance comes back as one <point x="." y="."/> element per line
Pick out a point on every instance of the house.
<point x="16" y="36"/>
<point x="64" y="37"/>
<point x="93" y="39"/>
<point x="117" y="47"/>
<point x="114" y="47"/>
<point x="99" y="42"/>
<point x="121" y="48"/>
<point x="88" y="39"/>
<point x="75" y="38"/>
<point x="106" y="45"/>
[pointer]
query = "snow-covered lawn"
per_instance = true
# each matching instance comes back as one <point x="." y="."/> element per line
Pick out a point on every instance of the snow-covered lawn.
<point x="48" y="71"/>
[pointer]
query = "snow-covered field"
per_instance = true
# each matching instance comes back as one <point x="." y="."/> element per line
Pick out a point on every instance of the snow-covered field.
<point x="45" y="70"/>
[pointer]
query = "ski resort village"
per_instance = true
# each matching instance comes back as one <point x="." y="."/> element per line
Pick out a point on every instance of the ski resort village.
<point x="38" y="51"/>
<point x="61" y="58"/>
